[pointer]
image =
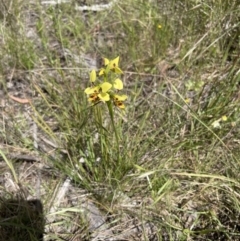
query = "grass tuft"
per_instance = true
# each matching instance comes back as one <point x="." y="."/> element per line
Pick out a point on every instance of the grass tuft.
<point x="165" y="168"/>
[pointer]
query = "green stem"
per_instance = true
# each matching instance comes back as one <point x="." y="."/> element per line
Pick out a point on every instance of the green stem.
<point x="110" y="110"/>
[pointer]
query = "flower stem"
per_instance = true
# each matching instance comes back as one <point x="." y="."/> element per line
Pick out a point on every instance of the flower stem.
<point x="110" y="110"/>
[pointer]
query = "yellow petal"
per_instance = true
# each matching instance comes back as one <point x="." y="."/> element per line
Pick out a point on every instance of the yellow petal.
<point x="113" y="65"/>
<point x="118" y="84"/>
<point x="119" y="104"/>
<point x="105" y="87"/>
<point x="101" y="72"/>
<point x="93" y="76"/>
<point x="91" y="90"/>
<point x="106" y="61"/>
<point x="114" y="62"/>
<point x="118" y="70"/>
<point x="120" y="97"/>
<point x="104" y="96"/>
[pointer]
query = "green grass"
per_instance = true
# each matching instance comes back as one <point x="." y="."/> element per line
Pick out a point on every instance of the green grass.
<point x="170" y="167"/>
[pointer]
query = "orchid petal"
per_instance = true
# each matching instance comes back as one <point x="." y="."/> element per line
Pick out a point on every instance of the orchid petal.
<point x="104" y="96"/>
<point x="91" y="90"/>
<point x="105" y="87"/>
<point x="120" y="97"/>
<point x="106" y="61"/>
<point x="93" y="76"/>
<point x="118" y="84"/>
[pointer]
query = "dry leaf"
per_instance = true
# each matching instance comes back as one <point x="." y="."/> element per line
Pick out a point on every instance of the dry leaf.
<point x="19" y="100"/>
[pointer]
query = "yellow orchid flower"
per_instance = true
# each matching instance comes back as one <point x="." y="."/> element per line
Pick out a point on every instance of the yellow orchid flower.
<point x="118" y="101"/>
<point x="112" y="65"/>
<point x="103" y="91"/>
<point x="93" y="93"/>
<point x="104" y="88"/>
<point x="99" y="93"/>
